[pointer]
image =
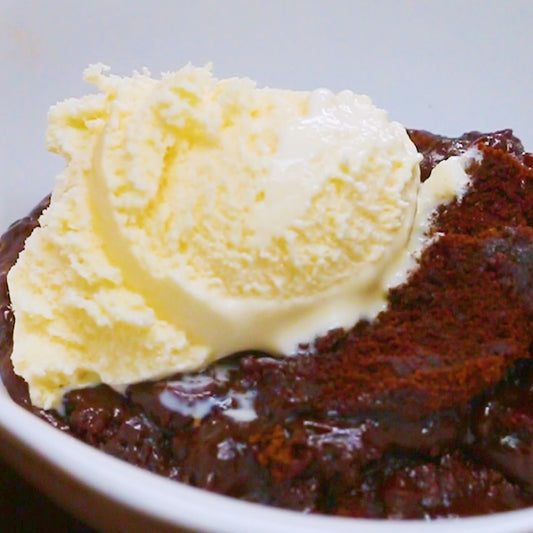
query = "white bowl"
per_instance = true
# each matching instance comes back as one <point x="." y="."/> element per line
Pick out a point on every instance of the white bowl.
<point x="444" y="66"/>
<point x="112" y="495"/>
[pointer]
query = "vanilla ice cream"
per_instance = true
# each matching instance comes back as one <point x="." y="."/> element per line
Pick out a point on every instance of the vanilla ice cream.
<point x="199" y="217"/>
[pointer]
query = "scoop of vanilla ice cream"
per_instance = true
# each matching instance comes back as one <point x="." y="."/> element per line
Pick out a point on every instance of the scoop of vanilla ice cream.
<point x="199" y="217"/>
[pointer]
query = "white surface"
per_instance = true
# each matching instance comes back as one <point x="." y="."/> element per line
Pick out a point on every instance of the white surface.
<point x="445" y="66"/>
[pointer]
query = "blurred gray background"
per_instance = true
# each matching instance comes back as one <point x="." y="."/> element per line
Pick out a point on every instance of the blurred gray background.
<point x="447" y="66"/>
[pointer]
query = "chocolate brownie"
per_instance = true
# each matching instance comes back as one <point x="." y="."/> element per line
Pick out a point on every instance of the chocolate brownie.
<point x="424" y="412"/>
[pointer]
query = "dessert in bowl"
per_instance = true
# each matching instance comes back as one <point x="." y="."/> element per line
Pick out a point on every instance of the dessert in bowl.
<point x="417" y="409"/>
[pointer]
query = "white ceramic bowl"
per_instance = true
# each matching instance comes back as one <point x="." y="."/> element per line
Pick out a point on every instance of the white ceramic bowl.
<point x="115" y="496"/>
<point x="445" y="66"/>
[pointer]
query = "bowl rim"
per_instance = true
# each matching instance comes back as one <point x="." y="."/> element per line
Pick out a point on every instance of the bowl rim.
<point x="179" y="505"/>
